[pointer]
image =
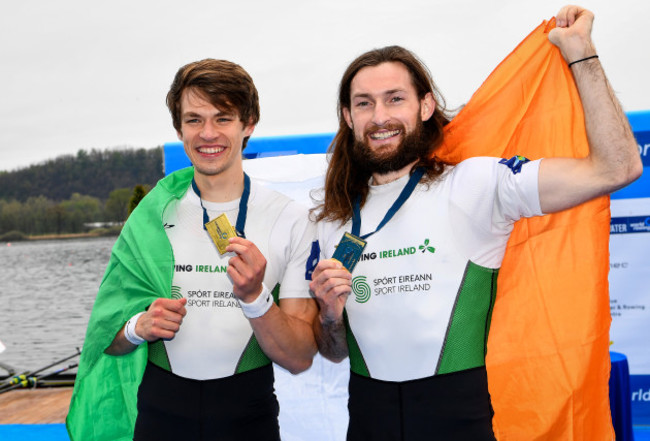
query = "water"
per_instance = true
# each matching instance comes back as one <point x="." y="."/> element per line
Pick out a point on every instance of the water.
<point x="47" y="289"/>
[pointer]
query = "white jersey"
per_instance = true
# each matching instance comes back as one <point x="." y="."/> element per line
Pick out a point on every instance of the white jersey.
<point x="424" y="288"/>
<point x="215" y="337"/>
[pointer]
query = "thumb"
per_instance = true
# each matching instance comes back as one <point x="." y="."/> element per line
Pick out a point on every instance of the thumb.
<point x="555" y="36"/>
<point x="180" y="305"/>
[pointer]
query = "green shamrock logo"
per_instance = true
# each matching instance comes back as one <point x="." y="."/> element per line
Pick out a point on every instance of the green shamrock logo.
<point x="426" y="247"/>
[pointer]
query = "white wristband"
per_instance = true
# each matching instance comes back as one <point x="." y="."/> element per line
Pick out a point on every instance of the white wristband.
<point x="129" y="330"/>
<point x="259" y="306"/>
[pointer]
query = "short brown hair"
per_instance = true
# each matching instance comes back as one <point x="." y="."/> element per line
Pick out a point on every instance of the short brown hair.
<point x="226" y="85"/>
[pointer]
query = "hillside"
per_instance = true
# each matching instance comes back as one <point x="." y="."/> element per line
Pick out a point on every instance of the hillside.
<point x="74" y="194"/>
<point x="96" y="173"/>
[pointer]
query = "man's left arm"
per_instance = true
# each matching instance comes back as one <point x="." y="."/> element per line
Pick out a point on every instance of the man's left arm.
<point x="284" y="332"/>
<point x="613" y="160"/>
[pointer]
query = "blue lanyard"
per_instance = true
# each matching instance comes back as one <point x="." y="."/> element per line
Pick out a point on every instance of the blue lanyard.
<point x="243" y="206"/>
<point x="403" y="196"/>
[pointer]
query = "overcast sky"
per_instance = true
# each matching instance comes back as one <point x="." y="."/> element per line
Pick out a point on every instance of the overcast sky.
<point x="80" y="75"/>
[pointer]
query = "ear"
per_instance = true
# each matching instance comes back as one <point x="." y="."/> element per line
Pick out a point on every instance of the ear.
<point x="347" y="117"/>
<point x="249" y="129"/>
<point x="427" y="107"/>
<point x="179" y="134"/>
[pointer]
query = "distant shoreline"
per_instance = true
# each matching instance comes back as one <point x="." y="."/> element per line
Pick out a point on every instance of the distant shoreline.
<point x="72" y="236"/>
<point x="91" y="234"/>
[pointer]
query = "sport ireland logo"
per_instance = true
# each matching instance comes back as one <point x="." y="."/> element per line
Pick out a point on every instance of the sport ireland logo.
<point x="361" y="289"/>
<point x="176" y="292"/>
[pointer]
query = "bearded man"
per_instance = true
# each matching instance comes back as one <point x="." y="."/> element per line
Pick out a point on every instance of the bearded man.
<point x="429" y="238"/>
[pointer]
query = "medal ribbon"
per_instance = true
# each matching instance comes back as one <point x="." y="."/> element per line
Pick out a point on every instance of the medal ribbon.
<point x="243" y="206"/>
<point x="403" y="196"/>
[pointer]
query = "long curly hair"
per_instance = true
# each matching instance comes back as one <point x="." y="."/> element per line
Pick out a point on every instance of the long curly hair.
<point x="345" y="180"/>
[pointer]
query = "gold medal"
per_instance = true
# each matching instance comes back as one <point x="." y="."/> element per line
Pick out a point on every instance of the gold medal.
<point x="220" y="230"/>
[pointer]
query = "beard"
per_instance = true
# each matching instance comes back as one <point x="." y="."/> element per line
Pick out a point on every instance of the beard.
<point x="414" y="146"/>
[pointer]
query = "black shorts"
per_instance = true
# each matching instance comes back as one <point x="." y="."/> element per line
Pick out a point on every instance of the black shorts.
<point x="450" y="407"/>
<point x="238" y="408"/>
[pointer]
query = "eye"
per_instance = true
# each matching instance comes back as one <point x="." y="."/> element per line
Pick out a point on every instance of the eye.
<point x="191" y="121"/>
<point x="362" y="104"/>
<point x="396" y="99"/>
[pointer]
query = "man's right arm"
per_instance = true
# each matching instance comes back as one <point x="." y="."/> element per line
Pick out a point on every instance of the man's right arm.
<point x="331" y="284"/>
<point x="161" y="320"/>
<point x="613" y="161"/>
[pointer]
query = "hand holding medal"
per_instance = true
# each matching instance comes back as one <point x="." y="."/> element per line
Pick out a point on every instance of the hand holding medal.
<point x="246" y="268"/>
<point x="332" y="278"/>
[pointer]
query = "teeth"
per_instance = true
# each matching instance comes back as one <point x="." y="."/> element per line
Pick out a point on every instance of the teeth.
<point x="384" y="135"/>
<point x="210" y="150"/>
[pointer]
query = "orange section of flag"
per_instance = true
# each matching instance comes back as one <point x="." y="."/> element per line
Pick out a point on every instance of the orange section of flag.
<point x="548" y="348"/>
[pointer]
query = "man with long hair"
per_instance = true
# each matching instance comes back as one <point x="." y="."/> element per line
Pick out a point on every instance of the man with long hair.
<point x="189" y="325"/>
<point x="415" y="328"/>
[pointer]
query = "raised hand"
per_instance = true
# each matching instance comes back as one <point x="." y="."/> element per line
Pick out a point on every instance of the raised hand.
<point x="572" y="34"/>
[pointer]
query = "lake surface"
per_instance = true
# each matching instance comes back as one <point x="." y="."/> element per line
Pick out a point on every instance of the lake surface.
<point x="47" y="289"/>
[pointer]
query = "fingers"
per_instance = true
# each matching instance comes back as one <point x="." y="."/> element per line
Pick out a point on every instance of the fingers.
<point x="332" y="265"/>
<point x="331" y="284"/>
<point x="247" y="251"/>
<point x="572" y="33"/>
<point x="162" y="320"/>
<point x="172" y="309"/>
<point x="246" y="268"/>
<point x="570" y="14"/>
<point x="566" y="16"/>
<point x="329" y="274"/>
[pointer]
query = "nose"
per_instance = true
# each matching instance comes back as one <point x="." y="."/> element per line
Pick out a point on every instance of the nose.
<point x="380" y="115"/>
<point x="209" y="131"/>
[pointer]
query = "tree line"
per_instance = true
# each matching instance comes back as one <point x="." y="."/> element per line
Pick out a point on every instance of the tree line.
<point x="95" y="173"/>
<point x="70" y="193"/>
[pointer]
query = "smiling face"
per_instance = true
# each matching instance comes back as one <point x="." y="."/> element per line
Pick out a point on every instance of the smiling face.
<point x="384" y="110"/>
<point x="212" y="138"/>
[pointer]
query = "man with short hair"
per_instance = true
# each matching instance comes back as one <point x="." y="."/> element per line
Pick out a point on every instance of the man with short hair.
<point x="416" y="328"/>
<point x="206" y="320"/>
